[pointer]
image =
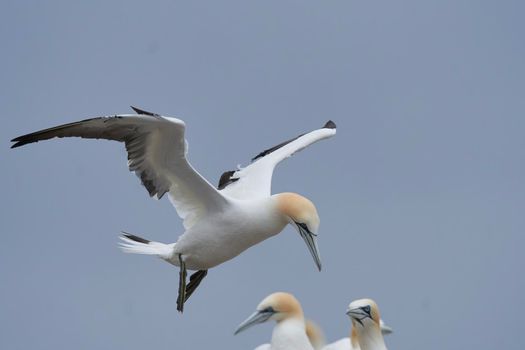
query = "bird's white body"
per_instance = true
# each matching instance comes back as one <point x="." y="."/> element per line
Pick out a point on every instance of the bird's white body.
<point x="222" y="236"/>
<point x="352" y="343"/>
<point x="290" y="334"/>
<point x="341" y="344"/>
<point x="371" y="340"/>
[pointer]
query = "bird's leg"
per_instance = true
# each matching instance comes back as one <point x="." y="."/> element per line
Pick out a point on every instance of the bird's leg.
<point x="195" y="280"/>
<point x="181" y="298"/>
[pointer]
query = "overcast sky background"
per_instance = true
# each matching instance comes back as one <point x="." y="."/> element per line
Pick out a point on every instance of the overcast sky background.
<point x="421" y="193"/>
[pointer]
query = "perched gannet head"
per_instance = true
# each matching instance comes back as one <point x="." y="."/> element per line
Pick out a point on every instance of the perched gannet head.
<point x="364" y="313"/>
<point x="366" y="328"/>
<point x="315" y="334"/>
<point x="277" y="306"/>
<point x="301" y="213"/>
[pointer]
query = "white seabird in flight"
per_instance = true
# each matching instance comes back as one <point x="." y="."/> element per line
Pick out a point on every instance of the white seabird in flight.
<point x="366" y="322"/>
<point x="289" y="332"/>
<point x="219" y="223"/>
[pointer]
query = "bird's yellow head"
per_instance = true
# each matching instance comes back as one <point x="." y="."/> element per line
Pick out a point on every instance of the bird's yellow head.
<point x="298" y="209"/>
<point x="364" y="313"/>
<point x="278" y="307"/>
<point x="301" y="213"/>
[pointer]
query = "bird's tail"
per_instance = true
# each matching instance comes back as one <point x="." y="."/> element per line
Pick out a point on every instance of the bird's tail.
<point x="138" y="245"/>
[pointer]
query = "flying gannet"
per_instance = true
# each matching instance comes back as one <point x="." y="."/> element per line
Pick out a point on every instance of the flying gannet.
<point x="219" y="223"/>
<point x="352" y="343"/>
<point x="289" y="332"/>
<point x="366" y="323"/>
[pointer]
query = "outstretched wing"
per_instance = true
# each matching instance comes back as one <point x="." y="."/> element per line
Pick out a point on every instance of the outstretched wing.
<point x="256" y="179"/>
<point x="156" y="153"/>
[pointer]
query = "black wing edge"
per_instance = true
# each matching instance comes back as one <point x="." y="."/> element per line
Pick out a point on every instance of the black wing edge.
<point x="47" y="134"/>
<point x="328" y="125"/>
<point x="135" y="238"/>
<point x="143" y="112"/>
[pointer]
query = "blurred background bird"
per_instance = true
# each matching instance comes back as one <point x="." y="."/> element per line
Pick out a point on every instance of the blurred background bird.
<point x="366" y="325"/>
<point x="289" y="331"/>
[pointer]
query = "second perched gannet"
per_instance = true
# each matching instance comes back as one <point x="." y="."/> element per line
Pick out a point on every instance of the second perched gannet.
<point x="219" y="223"/>
<point x="289" y="333"/>
<point x="352" y="343"/>
<point x="366" y="323"/>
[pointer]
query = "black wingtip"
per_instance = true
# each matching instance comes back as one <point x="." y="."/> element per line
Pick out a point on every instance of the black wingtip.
<point x="20" y="141"/>
<point x="135" y="238"/>
<point x="141" y="111"/>
<point x="329" y="125"/>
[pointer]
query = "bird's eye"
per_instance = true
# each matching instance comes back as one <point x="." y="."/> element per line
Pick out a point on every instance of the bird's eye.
<point x="303" y="226"/>
<point x="366" y="309"/>
<point x="268" y="309"/>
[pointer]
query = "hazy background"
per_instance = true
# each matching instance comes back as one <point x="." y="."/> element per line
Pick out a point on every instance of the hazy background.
<point x="421" y="193"/>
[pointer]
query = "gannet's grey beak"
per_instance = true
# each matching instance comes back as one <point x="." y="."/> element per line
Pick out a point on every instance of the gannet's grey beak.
<point x="354" y="312"/>
<point x="255" y="318"/>
<point x="311" y="242"/>
<point x="359" y="313"/>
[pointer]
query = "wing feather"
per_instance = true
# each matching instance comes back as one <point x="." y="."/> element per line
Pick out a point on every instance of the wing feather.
<point x="156" y="153"/>
<point x="255" y="180"/>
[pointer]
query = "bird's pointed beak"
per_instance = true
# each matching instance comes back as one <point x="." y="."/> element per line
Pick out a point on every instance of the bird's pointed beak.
<point x="354" y="312"/>
<point x="255" y="318"/>
<point x="357" y="314"/>
<point x="311" y="242"/>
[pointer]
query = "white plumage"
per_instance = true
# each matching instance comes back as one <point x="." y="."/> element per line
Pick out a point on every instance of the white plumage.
<point x="352" y="343"/>
<point x="221" y="222"/>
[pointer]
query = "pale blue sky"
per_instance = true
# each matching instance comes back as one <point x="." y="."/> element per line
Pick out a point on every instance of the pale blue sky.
<point x="421" y="193"/>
